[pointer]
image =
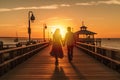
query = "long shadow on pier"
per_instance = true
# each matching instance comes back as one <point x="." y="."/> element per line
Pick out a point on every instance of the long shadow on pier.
<point x="59" y="74"/>
<point x="80" y="76"/>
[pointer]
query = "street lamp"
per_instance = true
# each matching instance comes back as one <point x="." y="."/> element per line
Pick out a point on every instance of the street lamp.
<point x="30" y="18"/>
<point x="44" y="27"/>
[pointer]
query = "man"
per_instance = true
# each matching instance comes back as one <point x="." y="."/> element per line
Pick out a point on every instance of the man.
<point x="70" y="41"/>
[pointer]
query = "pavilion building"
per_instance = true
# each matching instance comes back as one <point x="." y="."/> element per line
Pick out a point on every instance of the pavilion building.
<point x="85" y="36"/>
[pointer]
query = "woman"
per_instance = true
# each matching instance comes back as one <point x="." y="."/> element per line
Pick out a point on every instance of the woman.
<point x="57" y="47"/>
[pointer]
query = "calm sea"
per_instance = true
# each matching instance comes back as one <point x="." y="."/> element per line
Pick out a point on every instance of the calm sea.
<point x="113" y="43"/>
<point x="10" y="41"/>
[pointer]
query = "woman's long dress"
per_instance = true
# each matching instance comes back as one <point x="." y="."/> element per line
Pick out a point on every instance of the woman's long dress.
<point x="57" y="47"/>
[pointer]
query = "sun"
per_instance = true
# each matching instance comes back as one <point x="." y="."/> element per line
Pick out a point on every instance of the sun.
<point x="62" y="29"/>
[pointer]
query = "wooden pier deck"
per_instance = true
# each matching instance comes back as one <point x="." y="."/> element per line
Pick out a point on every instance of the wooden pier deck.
<point x="41" y="67"/>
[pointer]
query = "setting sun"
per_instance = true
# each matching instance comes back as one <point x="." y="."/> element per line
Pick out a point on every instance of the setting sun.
<point x="62" y="29"/>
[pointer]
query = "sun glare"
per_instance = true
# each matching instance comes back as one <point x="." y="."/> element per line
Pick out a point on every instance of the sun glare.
<point x="62" y="29"/>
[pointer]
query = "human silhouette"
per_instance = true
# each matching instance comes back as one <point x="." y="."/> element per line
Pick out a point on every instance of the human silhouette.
<point x="70" y="41"/>
<point x="57" y="46"/>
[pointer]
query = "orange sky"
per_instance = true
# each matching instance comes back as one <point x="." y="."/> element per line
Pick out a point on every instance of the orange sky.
<point x="100" y="16"/>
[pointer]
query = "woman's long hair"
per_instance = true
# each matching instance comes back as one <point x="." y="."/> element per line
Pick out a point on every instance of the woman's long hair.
<point x="57" y="32"/>
<point x="57" y="35"/>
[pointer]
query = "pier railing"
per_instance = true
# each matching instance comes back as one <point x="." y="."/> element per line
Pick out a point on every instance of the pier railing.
<point x="9" y="58"/>
<point x="109" y="57"/>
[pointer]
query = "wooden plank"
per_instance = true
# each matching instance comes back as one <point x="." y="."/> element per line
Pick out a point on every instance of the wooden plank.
<point x="41" y="67"/>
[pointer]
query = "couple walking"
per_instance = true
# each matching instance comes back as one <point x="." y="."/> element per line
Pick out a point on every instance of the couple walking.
<point x="57" y="51"/>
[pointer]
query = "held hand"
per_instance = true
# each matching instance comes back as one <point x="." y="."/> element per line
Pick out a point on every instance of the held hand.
<point x="63" y="44"/>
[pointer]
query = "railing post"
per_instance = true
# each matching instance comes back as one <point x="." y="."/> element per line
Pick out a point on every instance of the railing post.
<point x="12" y="57"/>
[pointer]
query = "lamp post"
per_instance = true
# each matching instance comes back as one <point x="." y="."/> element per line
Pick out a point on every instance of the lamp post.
<point x="44" y="27"/>
<point x="30" y="18"/>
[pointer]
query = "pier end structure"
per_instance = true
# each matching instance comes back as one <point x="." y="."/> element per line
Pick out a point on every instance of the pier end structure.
<point x="86" y="36"/>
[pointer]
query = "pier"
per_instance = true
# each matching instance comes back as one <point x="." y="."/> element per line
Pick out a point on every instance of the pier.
<point x="59" y="40"/>
<point x="34" y="62"/>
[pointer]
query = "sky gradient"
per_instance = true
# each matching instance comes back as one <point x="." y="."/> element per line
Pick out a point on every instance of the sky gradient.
<point x="100" y="16"/>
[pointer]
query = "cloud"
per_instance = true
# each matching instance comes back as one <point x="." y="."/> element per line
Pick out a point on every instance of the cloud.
<point x="26" y="8"/>
<point x="108" y="2"/>
<point x="4" y="9"/>
<point x="86" y="4"/>
<point x="54" y="6"/>
<point x="48" y="7"/>
<point x="65" y="5"/>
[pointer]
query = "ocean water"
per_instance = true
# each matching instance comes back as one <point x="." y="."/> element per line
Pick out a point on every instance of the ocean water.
<point x="11" y="43"/>
<point x="113" y="43"/>
<point x="11" y="40"/>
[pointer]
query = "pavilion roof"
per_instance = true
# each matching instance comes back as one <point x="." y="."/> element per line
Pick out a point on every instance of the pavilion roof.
<point x="87" y="32"/>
